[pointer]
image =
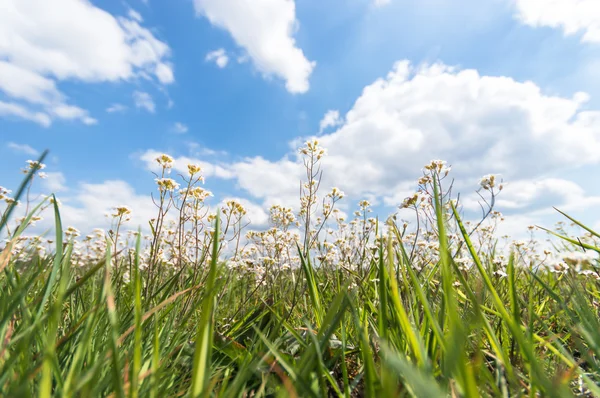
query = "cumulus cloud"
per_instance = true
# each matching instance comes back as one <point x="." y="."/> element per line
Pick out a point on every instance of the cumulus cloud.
<point x="136" y="16"/>
<point x="546" y="192"/>
<point x="116" y="108"/>
<point x="480" y="124"/>
<point x="87" y="207"/>
<point x="179" y="128"/>
<point x="530" y="202"/>
<point x="144" y="100"/>
<point x="22" y="148"/>
<point x="264" y="28"/>
<point x="73" y="40"/>
<point x="11" y="109"/>
<point x="572" y="16"/>
<point x="219" y="57"/>
<point x="54" y="182"/>
<point x="331" y="119"/>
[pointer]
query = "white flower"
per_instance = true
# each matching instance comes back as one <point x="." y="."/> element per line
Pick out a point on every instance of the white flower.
<point x="500" y="273"/>
<point x="489" y="181"/>
<point x="121" y="211"/>
<point x="166" y="184"/>
<point x="165" y="161"/>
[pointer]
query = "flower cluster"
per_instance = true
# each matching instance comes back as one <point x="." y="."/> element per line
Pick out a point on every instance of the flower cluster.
<point x="182" y="232"/>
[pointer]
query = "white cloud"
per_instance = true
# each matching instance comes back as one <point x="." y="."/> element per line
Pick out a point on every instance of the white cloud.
<point x="219" y="57"/>
<point x="572" y="16"/>
<point x="144" y="100"/>
<point x="180" y="128"/>
<point x="531" y="202"/>
<point x="19" y="111"/>
<point x="72" y="40"/>
<point x="381" y="3"/>
<point x="116" y="108"/>
<point x="480" y="124"/>
<point x="71" y="112"/>
<point x="54" y="182"/>
<point x="87" y="207"/>
<point x="264" y="28"/>
<point x="136" y="16"/>
<point x="331" y="119"/>
<point x="23" y="148"/>
<point x="198" y="150"/>
<point x="20" y="83"/>
<point x="164" y="72"/>
<point x="546" y="192"/>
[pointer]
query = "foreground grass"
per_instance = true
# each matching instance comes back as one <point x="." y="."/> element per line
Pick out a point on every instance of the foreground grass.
<point x="390" y="328"/>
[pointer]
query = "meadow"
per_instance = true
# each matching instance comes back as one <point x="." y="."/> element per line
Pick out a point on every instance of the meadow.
<point x="322" y="303"/>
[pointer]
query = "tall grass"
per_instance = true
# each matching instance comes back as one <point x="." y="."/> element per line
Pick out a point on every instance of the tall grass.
<point x="396" y="326"/>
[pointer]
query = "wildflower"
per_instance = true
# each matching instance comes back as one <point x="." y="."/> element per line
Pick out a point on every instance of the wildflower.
<point x="194" y="169"/>
<point x="10" y="201"/>
<point x="439" y="167"/>
<point x="424" y="180"/>
<point x="312" y="148"/>
<point x="165" y="161"/>
<point x="121" y="211"/>
<point x="166" y="184"/>
<point x="410" y="201"/>
<point x="500" y="273"/>
<point x="199" y="193"/>
<point x="489" y="181"/>
<point x="4" y="192"/>
<point x="336" y="193"/>
<point x="33" y="165"/>
<point x="589" y="272"/>
<point x="72" y="232"/>
<point x="234" y="207"/>
<point x="577" y="260"/>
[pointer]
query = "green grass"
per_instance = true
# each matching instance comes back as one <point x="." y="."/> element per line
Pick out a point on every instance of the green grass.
<point x="397" y="325"/>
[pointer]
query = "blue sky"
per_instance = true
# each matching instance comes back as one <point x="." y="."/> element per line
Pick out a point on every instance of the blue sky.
<point x="497" y="86"/>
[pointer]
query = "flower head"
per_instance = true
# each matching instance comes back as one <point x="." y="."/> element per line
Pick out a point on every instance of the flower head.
<point x="33" y="165"/>
<point x="489" y="181"/>
<point x="121" y="211"/>
<point x="166" y="184"/>
<point x="4" y="192"/>
<point x="165" y="161"/>
<point x="312" y="148"/>
<point x="194" y="169"/>
<point x="336" y="193"/>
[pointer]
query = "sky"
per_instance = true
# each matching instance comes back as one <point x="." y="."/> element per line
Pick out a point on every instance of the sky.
<point x="508" y="87"/>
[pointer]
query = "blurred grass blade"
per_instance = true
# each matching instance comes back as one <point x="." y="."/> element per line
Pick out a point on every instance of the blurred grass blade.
<point x="204" y="336"/>
<point x="6" y="217"/>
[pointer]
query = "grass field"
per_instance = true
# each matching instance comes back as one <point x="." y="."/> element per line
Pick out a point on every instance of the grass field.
<point x="320" y="304"/>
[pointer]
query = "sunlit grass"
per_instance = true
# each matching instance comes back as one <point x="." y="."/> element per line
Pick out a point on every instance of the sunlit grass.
<point x="317" y="305"/>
